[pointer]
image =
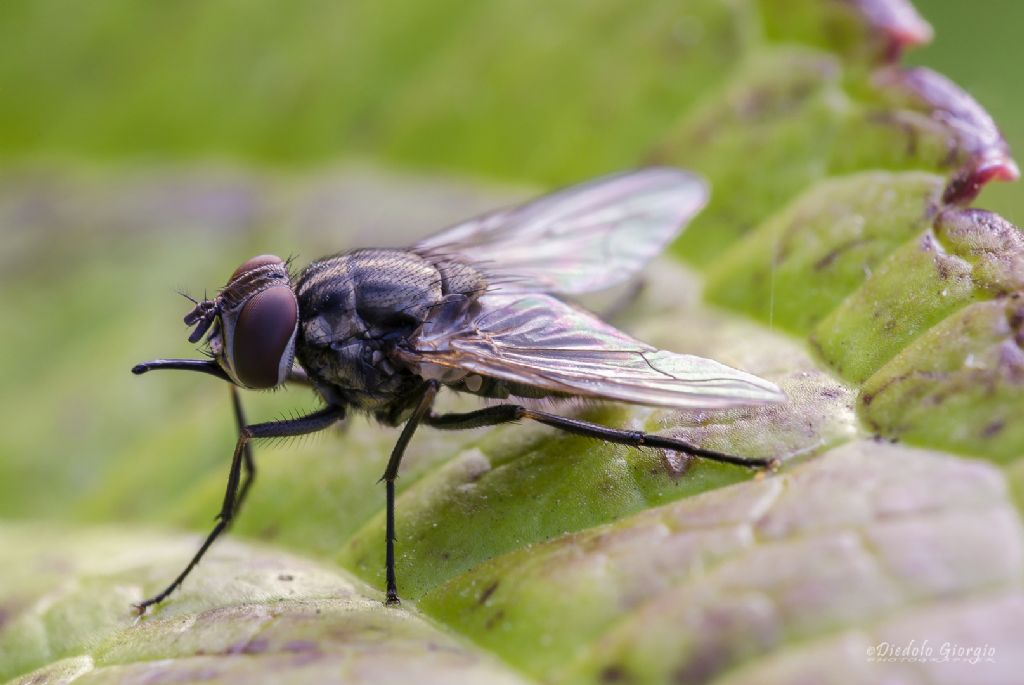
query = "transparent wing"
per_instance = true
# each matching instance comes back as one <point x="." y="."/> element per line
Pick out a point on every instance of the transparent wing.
<point x="584" y="238"/>
<point x="541" y="341"/>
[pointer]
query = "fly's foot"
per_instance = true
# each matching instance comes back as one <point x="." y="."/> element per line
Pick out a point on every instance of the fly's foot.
<point x="392" y="599"/>
<point x="142" y="607"/>
<point x="770" y="466"/>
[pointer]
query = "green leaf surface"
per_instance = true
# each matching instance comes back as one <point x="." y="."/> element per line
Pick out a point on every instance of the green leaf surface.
<point x="840" y="258"/>
<point x="256" y="616"/>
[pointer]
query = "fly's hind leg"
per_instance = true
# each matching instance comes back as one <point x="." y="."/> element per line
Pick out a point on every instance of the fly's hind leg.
<point x="311" y="423"/>
<point x="505" y="413"/>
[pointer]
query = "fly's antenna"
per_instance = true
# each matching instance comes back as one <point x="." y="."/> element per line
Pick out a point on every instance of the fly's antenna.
<point x="184" y="293"/>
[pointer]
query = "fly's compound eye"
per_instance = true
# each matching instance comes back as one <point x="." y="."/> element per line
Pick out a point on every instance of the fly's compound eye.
<point x="263" y="340"/>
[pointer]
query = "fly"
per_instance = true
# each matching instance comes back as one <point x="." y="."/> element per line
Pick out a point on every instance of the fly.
<point x="474" y="308"/>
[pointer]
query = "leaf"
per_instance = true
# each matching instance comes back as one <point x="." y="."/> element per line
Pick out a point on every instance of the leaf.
<point x="256" y="616"/>
<point x="842" y="548"/>
<point x="839" y="257"/>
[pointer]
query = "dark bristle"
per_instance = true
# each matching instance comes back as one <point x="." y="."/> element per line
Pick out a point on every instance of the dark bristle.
<point x="188" y="297"/>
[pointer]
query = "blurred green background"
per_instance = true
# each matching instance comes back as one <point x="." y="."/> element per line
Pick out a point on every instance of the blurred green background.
<point x="306" y="83"/>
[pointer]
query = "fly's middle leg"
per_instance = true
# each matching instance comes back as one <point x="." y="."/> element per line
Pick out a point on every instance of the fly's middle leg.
<point x="389" y="477"/>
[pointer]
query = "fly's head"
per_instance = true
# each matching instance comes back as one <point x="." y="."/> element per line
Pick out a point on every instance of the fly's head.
<point x="252" y="323"/>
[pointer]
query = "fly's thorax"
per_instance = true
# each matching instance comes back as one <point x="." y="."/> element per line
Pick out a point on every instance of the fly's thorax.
<point x="378" y="294"/>
<point x="359" y="309"/>
<point x="253" y="323"/>
<point x="365" y="293"/>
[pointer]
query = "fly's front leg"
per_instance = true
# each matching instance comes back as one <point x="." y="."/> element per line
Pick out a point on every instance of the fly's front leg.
<point x="390" y="474"/>
<point x="504" y="413"/>
<point x="211" y="368"/>
<point x="207" y="366"/>
<point x="311" y="423"/>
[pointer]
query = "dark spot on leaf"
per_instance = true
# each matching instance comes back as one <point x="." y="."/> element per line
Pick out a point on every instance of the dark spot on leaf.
<point x="868" y="397"/>
<point x="258" y="646"/>
<point x="905" y="127"/>
<point x="286" y="577"/>
<point x="702" y="668"/>
<point x="994" y="428"/>
<point x="495" y="619"/>
<point x="301" y="647"/>
<point x="614" y="674"/>
<point x="255" y="646"/>
<point x="834" y="254"/>
<point x="486" y="594"/>
<point x="473" y="475"/>
<point x="1017" y="323"/>
<point x="162" y="676"/>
